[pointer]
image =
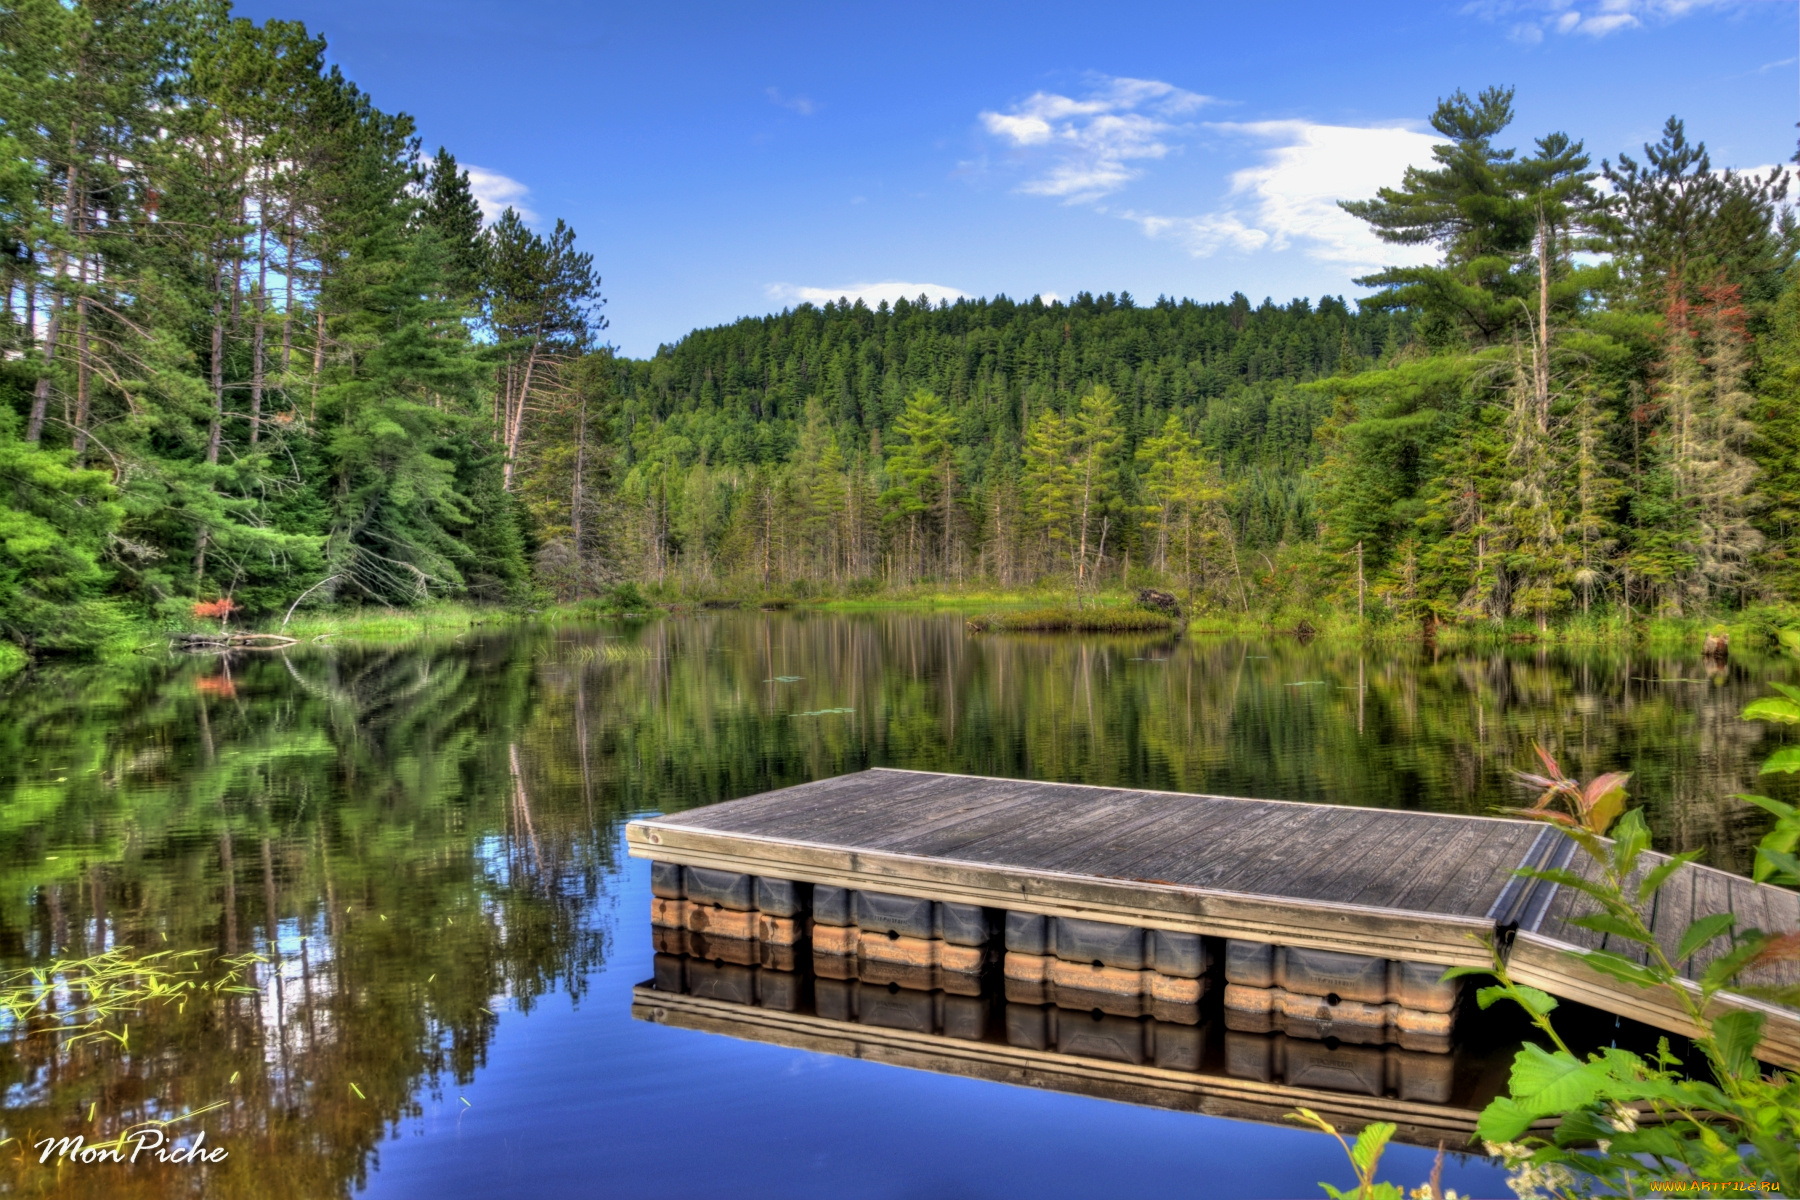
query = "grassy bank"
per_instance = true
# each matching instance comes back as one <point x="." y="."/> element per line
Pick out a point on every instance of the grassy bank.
<point x="365" y="624"/>
<point x="1042" y="609"/>
<point x="1074" y="620"/>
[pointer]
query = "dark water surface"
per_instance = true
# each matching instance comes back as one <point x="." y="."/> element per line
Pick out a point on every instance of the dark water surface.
<point x="426" y="842"/>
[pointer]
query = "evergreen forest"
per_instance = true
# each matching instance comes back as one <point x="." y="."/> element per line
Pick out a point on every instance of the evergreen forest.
<point x="260" y="348"/>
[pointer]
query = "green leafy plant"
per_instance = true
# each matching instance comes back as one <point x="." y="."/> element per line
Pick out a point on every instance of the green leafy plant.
<point x="1622" y="1123"/>
<point x="1365" y="1158"/>
<point x="1622" y="1120"/>
<point x="1776" y="861"/>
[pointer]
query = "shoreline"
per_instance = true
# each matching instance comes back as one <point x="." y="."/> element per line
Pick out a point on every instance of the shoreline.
<point x="1749" y="631"/>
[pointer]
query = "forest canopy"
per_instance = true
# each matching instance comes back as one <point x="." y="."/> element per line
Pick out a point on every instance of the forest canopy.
<point x="259" y="345"/>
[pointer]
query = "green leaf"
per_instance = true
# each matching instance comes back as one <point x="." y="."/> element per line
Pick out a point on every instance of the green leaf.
<point x="1369" y="1145"/>
<point x="1528" y="998"/>
<point x="1773" y="806"/>
<point x="1618" y="927"/>
<point x="1549" y="1082"/>
<point x="1701" y="932"/>
<point x="1656" y="878"/>
<point x="1735" y="1036"/>
<point x="1465" y="972"/>
<point x="1723" y="969"/>
<point x="1565" y="878"/>
<point x="1630" y="839"/>
<point x="1787" y="689"/>
<point x="1541" y="1002"/>
<point x="1784" y="761"/>
<point x="1777" y="865"/>
<point x="1619" y="967"/>
<point x="1789" y="639"/>
<point x="1772" y="708"/>
<point x="1503" y="1120"/>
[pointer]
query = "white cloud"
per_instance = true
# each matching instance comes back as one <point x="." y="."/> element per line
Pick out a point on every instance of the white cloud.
<point x="1082" y="149"/>
<point x="1595" y="19"/>
<point x="799" y="104"/>
<point x="495" y="193"/>
<point x="870" y="294"/>
<point x="1203" y="236"/>
<point x="1290" y="199"/>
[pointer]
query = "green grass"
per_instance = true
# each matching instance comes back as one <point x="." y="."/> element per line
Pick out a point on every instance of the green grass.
<point x="1074" y="620"/>
<point x="385" y="624"/>
<point x="12" y="660"/>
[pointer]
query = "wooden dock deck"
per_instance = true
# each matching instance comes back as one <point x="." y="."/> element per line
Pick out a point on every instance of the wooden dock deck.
<point x="1403" y="885"/>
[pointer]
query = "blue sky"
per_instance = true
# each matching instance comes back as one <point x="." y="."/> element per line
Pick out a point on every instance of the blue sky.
<point x="723" y="160"/>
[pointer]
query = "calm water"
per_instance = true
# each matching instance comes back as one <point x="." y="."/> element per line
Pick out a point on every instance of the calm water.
<point x="426" y="842"/>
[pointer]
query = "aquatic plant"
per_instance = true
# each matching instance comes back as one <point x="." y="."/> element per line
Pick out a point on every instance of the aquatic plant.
<point x="73" y="1000"/>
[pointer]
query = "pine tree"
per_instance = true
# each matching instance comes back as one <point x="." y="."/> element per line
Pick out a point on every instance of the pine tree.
<point x="923" y="480"/>
<point x="450" y="210"/>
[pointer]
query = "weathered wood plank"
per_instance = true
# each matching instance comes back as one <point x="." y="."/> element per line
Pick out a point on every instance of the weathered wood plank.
<point x="1467" y="886"/>
<point x="1712" y="894"/>
<point x="1673" y="909"/>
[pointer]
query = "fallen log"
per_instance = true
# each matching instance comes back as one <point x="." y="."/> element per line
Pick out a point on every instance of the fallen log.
<point x="231" y="641"/>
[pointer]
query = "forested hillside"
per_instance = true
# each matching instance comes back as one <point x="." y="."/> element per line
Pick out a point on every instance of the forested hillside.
<point x="1590" y="400"/>
<point x="891" y="444"/>
<point x="258" y="348"/>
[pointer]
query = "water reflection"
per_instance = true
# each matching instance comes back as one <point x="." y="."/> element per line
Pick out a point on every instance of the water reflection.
<point x="979" y="1031"/>
<point x="418" y="838"/>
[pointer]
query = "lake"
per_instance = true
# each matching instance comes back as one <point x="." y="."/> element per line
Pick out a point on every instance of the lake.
<point x="424" y="841"/>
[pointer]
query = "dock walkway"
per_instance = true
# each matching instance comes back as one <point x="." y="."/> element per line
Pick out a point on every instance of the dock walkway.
<point x="1403" y="885"/>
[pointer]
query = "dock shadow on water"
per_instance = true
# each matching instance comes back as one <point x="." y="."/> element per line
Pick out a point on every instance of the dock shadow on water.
<point x="424" y="844"/>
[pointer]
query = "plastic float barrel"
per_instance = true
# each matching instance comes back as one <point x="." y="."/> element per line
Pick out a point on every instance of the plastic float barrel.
<point x="1102" y="942"/>
<point x="665" y="881"/>
<point x="896" y="1008"/>
<point x="892" y="1007"/>
<point x="778" y="991"/>
<point x="667" y="974"/>
<point x="723" y="889"/>
<point x="721" y="981"/>
<point x="831" y="905"/>
<point x="960" y="924"/>
<point x="1184" y="955"/>
<point x="1043" y="979"/>
<point x="1028" y="1026"/>
<point x="1365" y="1070"/>
<point x="964" y="1018"/>
<point x="1097" y="1035"/>
<point x="1353" y="977"/>
<point x="832" y="999"/>
<point x="1177" y="1047"/>
<point x="779" y="897"/>
<point x="903" y="916"/>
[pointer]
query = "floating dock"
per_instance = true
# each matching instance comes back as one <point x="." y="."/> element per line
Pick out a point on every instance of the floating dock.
<point x="1324" y="921"/>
